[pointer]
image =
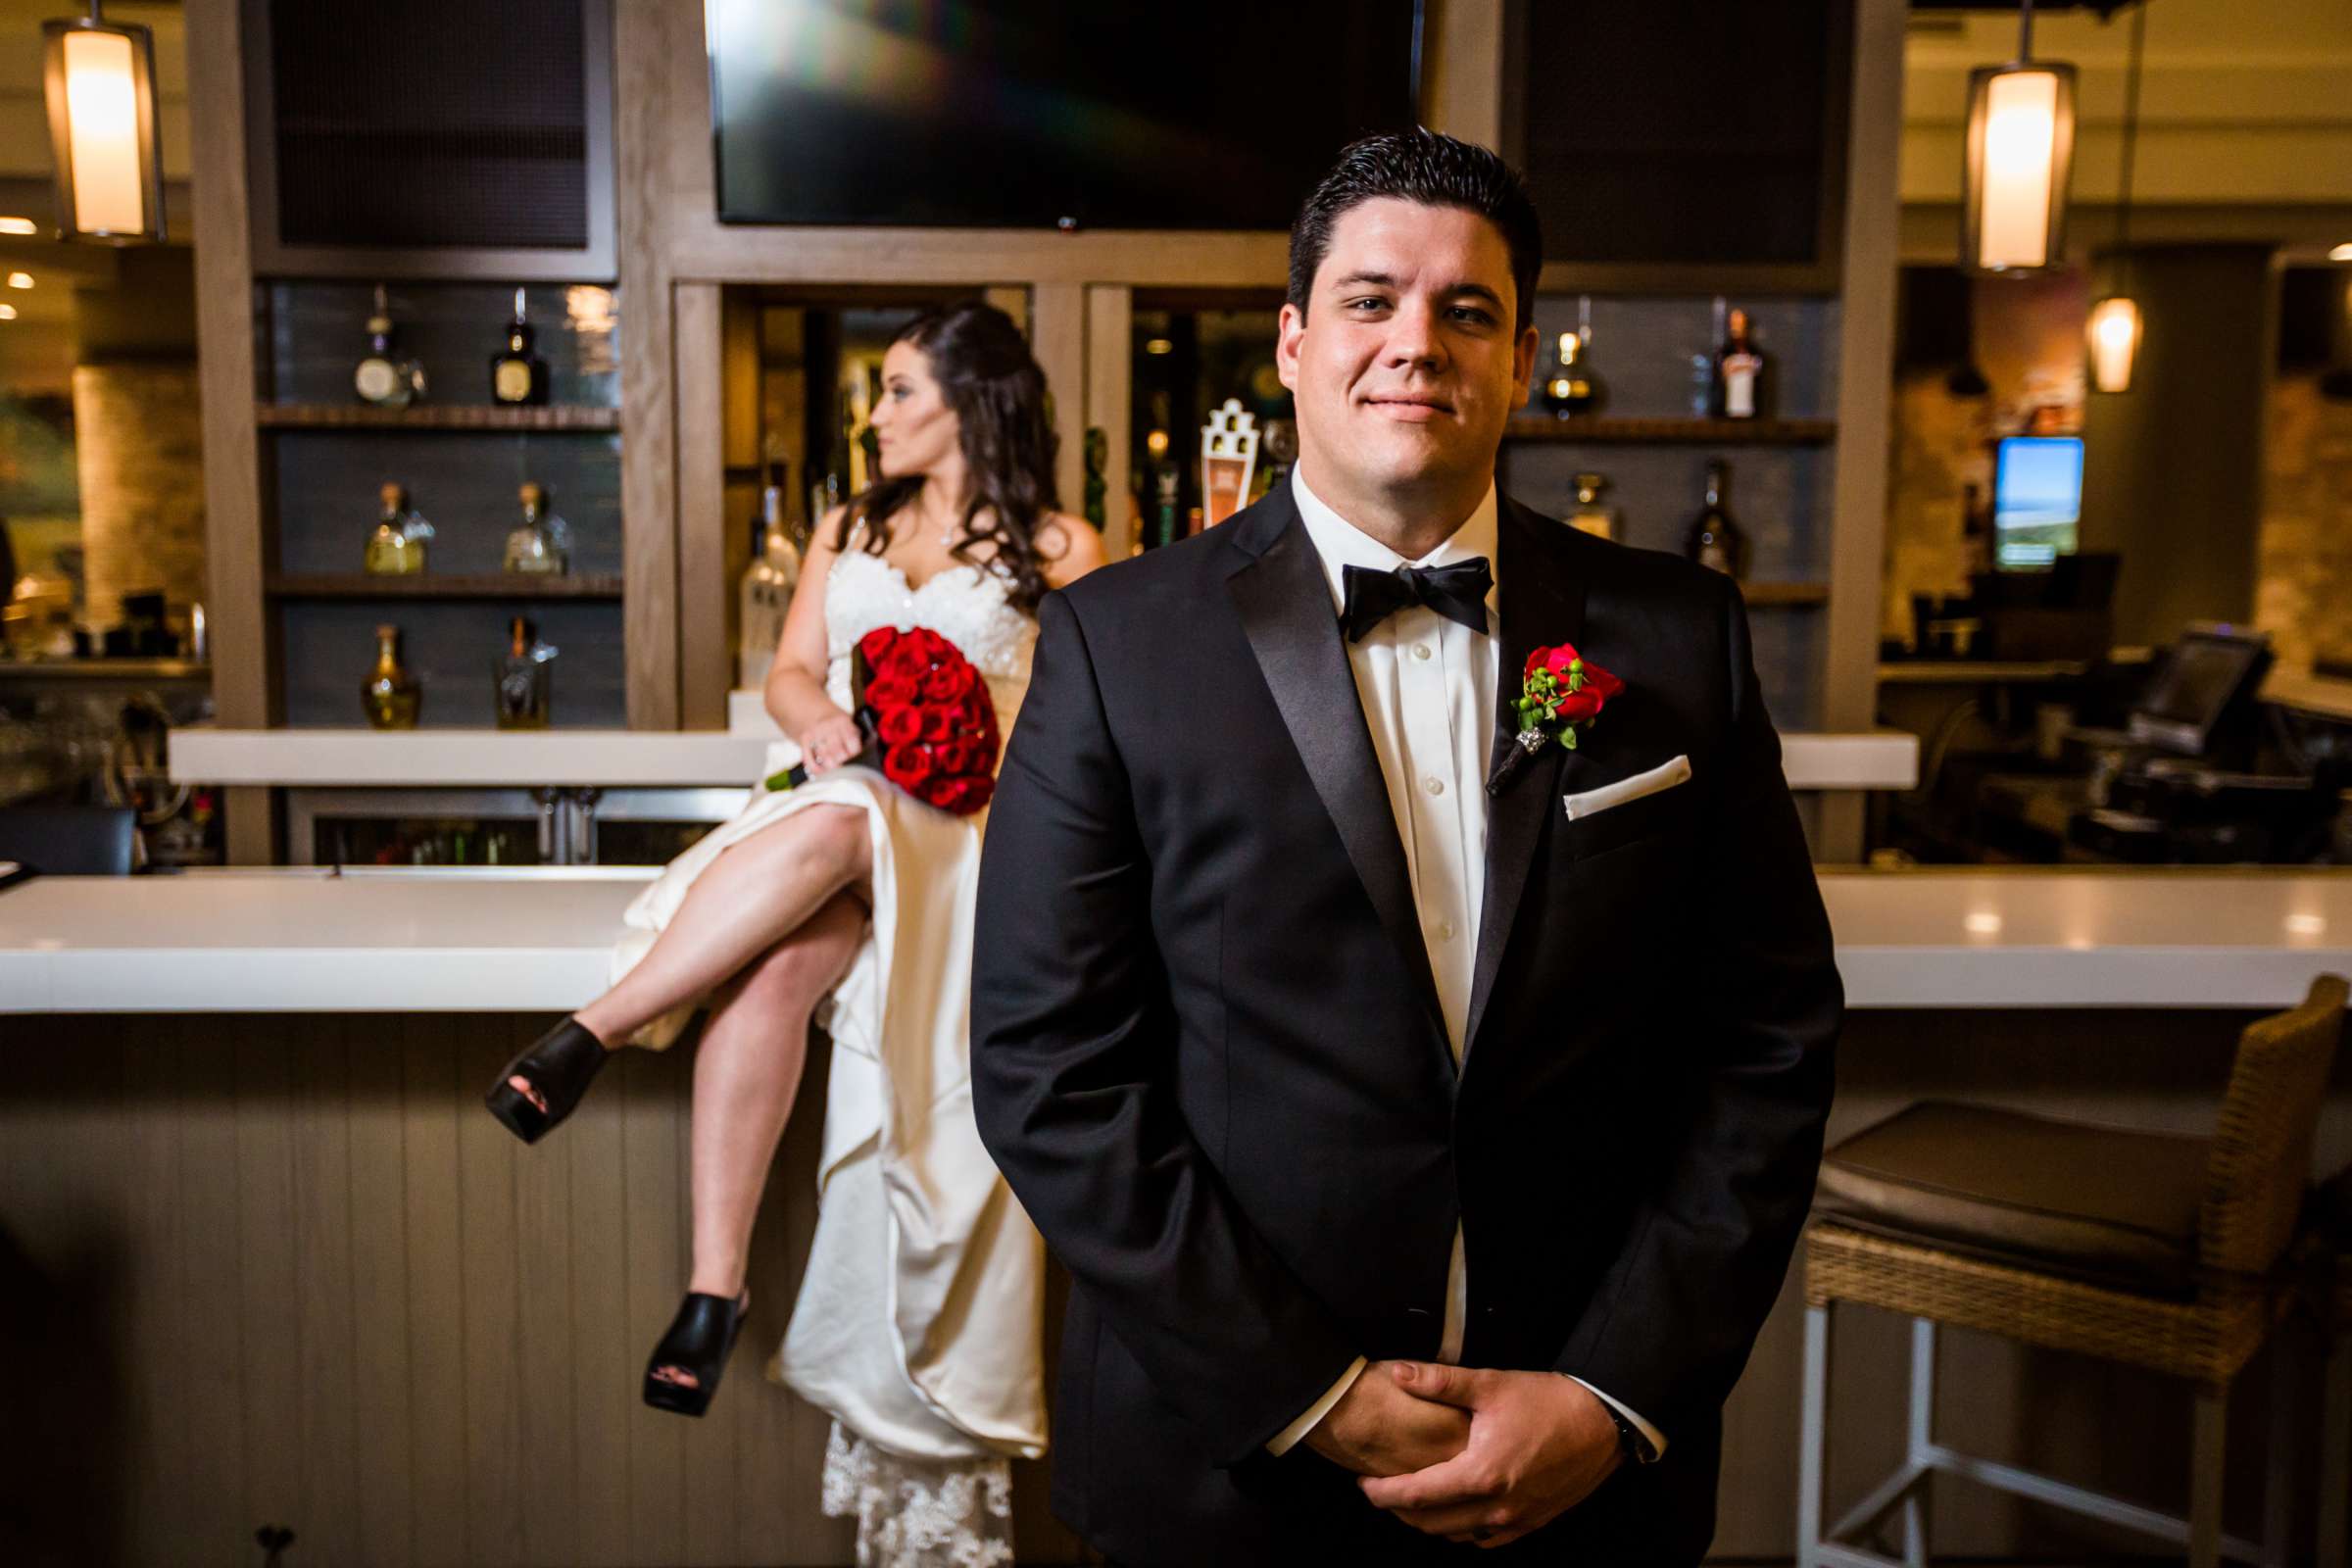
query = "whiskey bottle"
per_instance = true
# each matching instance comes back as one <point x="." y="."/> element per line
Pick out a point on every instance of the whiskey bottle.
<point x="1572" y="389"/>
<point x="519" y="679"/>
<point x="1714" y="540"/>
<point x="390" y="694"/>
<point x="542" y="546"/>
<point x="383" y="377"/>
<point x="1590" y="516"/>
<point x="1740" y="373"/>
<point x="396" y="549"/>
<point x="518" y="376"/>
<point x="765" y="594"/>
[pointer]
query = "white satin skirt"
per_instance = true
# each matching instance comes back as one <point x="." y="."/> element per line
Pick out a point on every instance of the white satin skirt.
<point x="918" y="1324"/>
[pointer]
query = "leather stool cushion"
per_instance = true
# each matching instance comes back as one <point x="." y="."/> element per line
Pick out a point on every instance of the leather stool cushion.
<point x="2096" y="1203"/>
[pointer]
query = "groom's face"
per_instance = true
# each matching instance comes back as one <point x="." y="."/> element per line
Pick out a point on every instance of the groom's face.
<point x="1404" y="364"/>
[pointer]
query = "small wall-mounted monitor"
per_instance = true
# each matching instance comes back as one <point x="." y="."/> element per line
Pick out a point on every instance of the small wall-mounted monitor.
<point x="2036" y="500"/>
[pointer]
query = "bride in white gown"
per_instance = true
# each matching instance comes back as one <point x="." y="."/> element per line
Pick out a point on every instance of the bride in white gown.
<point x="848" y="903"/>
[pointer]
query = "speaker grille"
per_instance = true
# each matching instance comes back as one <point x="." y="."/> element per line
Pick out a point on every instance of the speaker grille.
<point x="430" y="124"/>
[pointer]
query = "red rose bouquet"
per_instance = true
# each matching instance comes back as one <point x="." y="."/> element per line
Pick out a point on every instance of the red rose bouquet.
<point x="929" y="725"/>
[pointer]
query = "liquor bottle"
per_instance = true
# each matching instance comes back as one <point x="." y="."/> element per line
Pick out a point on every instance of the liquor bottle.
<point x="542" y="546"/>
<point x="1167" y="518"/>
<point x="1714" y="539"/>
<point x="518" y="376"/>
<point x="1590" y="516"/>
<point x="764" y="594"/>
<point x="390" y="694"/>
<point x="383" y="376"/>
<point x="519" y="679"/>
<point x="396" y="549"/>
<point x="1572" y="389"/>
<point x="1097" y="489"/>
<point x="1739" y="374"/>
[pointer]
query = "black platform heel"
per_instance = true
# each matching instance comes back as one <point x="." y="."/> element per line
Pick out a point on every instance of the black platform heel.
<point x="699" y="1339"/>
<point x="558" y="1066"/>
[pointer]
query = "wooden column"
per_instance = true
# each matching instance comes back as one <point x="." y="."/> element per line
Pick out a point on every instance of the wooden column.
<point x="236" y="551"/>
<point x="1865" y="391"/>
<point x="642" y="64"/>
<point x="706" y="654"/>
<point x="1109" y="386"/>
<point x="1058" y="337"/>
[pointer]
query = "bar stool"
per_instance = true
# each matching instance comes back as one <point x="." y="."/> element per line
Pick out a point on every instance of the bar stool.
<point x="2152" y="1250"/>
<point x="2332" y="1292"/>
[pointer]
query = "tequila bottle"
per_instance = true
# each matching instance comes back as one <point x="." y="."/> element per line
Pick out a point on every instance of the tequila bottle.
<point x="520" y="677"/>
<point x="542" y="546"/>
<point x="1590" y="516"/>
<point x="384" y="376"/>
<point x="396" y="549"/>
<point x="518" y="376"/>
<point x="390" y="694"/>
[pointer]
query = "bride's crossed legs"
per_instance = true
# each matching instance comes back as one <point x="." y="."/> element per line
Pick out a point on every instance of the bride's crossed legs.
<point x="767" y="928"/>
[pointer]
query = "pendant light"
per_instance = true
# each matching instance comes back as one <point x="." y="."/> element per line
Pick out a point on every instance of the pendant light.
<point x="100" y="77"/>
<point x="2115" y="323"/>
<point x="2019" y="157"/>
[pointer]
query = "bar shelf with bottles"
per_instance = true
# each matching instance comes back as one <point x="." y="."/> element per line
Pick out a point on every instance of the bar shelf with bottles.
<point x="1698" y="426"/>
<point x="492" y="409"/>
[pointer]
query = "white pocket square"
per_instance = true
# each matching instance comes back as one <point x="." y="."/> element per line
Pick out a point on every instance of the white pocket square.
<point x="1664" y="777"/>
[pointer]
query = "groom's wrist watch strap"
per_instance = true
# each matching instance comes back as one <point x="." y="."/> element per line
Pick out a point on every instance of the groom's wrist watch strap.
<point x="1630" y="1439"/>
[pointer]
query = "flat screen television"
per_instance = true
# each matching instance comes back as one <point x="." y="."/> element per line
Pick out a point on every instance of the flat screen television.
<point x="1086" y="113"/>
<point x="2036" y="500"/>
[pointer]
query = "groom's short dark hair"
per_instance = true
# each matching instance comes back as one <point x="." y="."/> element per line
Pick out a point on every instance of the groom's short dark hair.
<point x="1436" y="171"/>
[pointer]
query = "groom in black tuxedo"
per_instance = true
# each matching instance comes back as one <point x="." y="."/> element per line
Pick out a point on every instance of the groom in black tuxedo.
<point x="1425" y="1111"/>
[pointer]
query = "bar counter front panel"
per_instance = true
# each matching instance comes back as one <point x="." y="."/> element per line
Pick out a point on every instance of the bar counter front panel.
<point x="271" y="1263"/>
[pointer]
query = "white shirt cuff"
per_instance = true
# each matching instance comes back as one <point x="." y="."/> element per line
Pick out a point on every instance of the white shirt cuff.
<point x="1289" y="1435"/>
<point x="1657" y="1439"/>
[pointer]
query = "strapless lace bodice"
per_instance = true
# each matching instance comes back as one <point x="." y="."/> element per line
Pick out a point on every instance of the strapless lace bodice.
<point x="966" y="604"/>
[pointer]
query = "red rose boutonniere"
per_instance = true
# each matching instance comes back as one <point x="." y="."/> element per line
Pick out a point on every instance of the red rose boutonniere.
<point x="1561" y="692"/>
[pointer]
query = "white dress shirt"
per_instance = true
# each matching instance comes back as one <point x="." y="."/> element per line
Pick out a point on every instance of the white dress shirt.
<point x="1427" y="684"/>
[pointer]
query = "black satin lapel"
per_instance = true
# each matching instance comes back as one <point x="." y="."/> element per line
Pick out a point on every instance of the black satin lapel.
<point x="1543" y="602"/>
<point x="1285" y="606"/>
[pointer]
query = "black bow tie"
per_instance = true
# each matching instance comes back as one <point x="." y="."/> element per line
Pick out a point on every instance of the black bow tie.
<point x="1458" y="592"/>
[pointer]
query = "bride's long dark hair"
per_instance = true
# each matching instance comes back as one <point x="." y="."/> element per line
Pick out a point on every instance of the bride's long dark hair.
<point x="988" y="377"/>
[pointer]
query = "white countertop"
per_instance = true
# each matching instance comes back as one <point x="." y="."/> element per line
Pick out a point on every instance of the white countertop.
<point x="299" y="940"/>
<point x="448" y="759"/>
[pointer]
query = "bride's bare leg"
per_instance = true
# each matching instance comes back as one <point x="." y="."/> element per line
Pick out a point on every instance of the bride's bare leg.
<point x="751" y="898"/>
<point x="746" y="1072"/>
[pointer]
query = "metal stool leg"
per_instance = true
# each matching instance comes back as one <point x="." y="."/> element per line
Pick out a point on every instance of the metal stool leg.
<point x="1922" y="1420"/>
<point x="1813" y="1439"/>
<point x="2205" y="1480"/>
<point x="2335" y="1457"/>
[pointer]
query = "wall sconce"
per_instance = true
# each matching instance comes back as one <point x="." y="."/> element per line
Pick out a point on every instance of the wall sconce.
<point x="100" y="77"/>
<point x="2020" y="156"/>
<point x="2114" y="342"/>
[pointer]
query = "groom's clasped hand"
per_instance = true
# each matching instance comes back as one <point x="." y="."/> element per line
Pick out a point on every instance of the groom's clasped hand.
<point x="1469" y="1453"/>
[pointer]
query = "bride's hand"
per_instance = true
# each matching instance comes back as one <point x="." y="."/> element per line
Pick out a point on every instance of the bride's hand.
<point x="830" y="742"/>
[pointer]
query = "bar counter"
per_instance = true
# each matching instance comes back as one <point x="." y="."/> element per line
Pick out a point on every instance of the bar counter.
<point x="242" y="1150"/>
<point x="534" y="940"/>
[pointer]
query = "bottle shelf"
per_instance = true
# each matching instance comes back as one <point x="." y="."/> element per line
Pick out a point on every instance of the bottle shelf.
<point x="1784" y="593"/>
<point x="434" y="417"/>
<point x="424" y="585"/>
<point x="1700" y="432"/>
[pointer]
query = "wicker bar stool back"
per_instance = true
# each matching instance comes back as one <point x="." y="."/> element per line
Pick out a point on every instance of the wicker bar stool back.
<point x="2152" y="1250"/>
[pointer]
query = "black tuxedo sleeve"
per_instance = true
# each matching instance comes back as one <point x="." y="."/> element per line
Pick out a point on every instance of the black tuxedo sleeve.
<point x="1671" y="1325"/>
<point x="1073" y="1062"/>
